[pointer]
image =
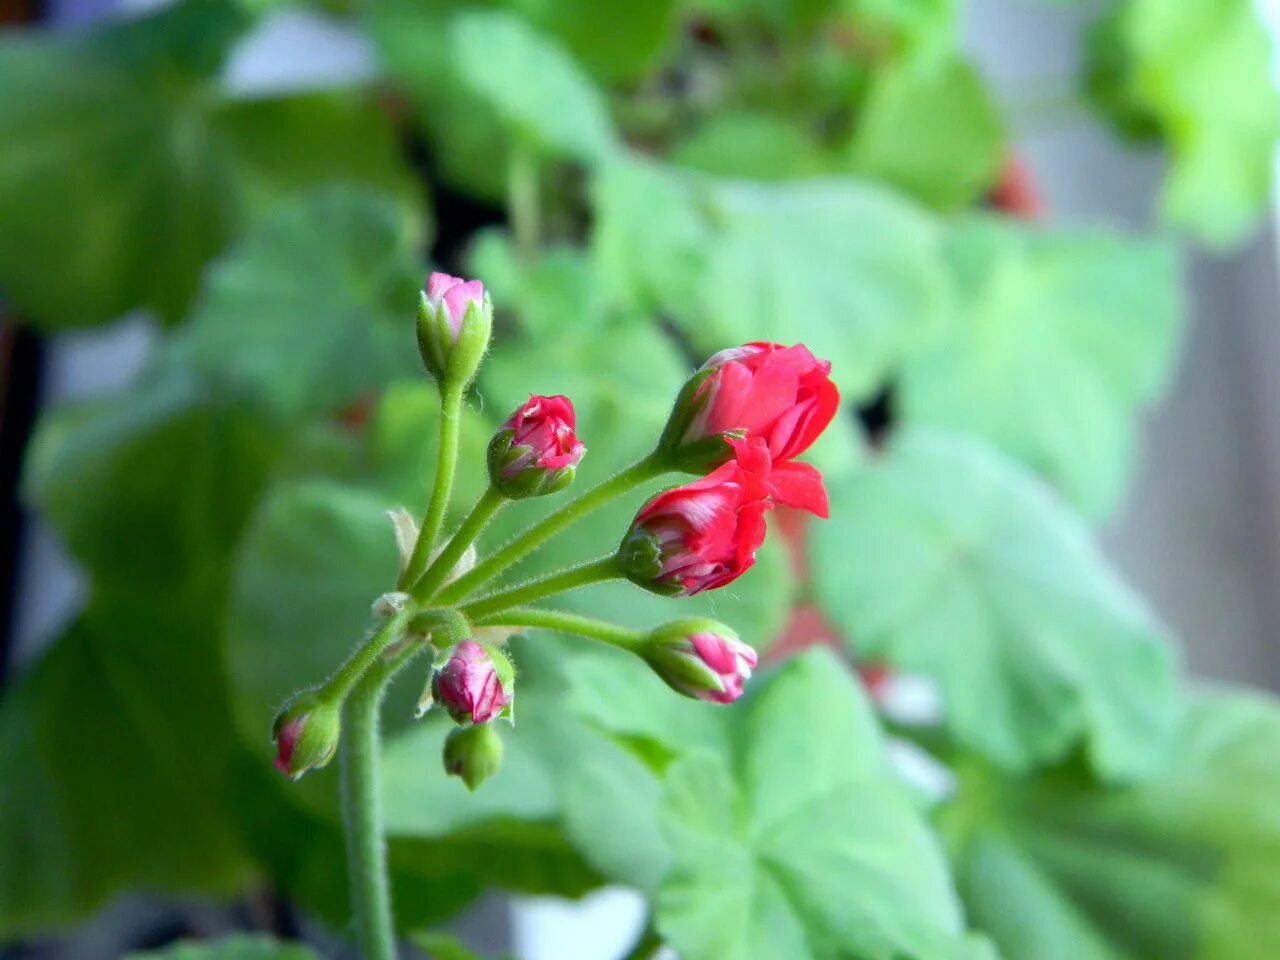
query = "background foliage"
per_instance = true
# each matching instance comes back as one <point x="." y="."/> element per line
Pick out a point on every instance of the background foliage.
<point x="643" y="184"/>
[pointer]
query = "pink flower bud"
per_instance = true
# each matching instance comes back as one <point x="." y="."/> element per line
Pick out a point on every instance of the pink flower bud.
<point x="476" y="683"/>
<point x="456" y="294"/>
<point x="782" y="395"/>
<point x="704" y="534"/>
<point x="536" y="452"/>
<point x="454" y="323"/>
<point x="306" y="734"/>
<point x="701" y="658"/>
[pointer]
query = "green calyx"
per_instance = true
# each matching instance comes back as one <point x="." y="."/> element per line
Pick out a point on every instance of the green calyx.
<point x="452" y="359"/>
<point x="532" y="480"/>
<point x="639" y="559"/>
<point x="473" y="753"/>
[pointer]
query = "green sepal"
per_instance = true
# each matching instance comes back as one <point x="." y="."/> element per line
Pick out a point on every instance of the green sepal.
<point x="639" y="559"/>
<point x="533" y="481"/>
<point x="668" y="650"/>
<point x="443" y="626"/>
<point x="453" y="362"/>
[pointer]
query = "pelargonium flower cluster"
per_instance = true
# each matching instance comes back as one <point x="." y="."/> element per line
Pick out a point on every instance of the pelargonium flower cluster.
<point x="738" y="424"/>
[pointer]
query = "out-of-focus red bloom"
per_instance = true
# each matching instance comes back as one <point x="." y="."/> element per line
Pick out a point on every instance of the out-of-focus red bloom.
<point x="704" y="534"/>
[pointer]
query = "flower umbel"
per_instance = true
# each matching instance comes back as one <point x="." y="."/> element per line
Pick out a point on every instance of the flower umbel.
<point x="700" y="658"/>
<point x="536" y="451"/>
<point x="704" y="534"/>
<point x="475" y="684"/>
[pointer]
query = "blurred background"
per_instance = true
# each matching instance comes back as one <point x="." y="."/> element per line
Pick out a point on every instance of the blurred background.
<point x="1037" y="118"/>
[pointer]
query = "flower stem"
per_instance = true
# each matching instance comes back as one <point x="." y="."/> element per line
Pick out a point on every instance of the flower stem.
<point x="566" y="622"/>
<point x="338" y="686"/>
<point x="446" y="464"/>
<point x="606" y="568"/>
<point x="525" y="543"/>
<point x="490" y="502"/>
<point x="523" y="202"/>
<point x="362" y="809"/>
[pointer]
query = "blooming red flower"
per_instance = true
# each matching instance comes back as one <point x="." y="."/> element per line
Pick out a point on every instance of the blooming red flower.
<point x="470" y="686"/>
<point x="704" y="534"/>
<point x="536" y="451"/>
<point x="456" y="294"/>
<point x="702" y="659"/>
<point x="782" y="395"/>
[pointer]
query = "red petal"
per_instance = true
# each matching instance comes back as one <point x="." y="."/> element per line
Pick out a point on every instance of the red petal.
<point x="798" y="484"/>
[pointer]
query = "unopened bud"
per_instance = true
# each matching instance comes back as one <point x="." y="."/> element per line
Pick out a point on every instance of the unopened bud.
<point x="473" y="753"/>
<point x="700" y="658"/>
<point x="536" y="451"/>
<point x="454" y="322"/>
<point x="476" y="683"/>
<point x="306" y="733"/>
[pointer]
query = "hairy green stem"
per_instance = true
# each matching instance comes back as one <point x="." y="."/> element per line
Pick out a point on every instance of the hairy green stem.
<point x="523" y="200"/>
<point x="565" y="622"/>
<point x="596" y="571"/>
<point x="525" y="543"/>
<point x="446" y="465"/>
<point x="490" y="502"/>
<point x="362" y="809"/>
<point x="338" y="686"/>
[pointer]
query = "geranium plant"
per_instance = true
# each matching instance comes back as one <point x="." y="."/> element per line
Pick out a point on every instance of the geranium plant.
<point x="743" y="265"/>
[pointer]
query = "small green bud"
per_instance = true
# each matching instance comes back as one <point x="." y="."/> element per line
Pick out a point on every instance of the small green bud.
<point x="473" y="753"/>
<point x="306" y="733"/>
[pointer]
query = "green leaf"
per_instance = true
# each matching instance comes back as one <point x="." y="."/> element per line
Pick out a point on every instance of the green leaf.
<point x="238" y="947"/>
<point x="312" y="307"/>
<point x="849" y="269"/>
<point x="931" y="129"/>
<point x="444" y="946"/>
<point x="1183" y="867"/>
<point x="1059" y="341"/>
<point x="803" y="845"/>
<point x="127" y="166"/>
<point x="533" y="85"/>
<point x="943" y="557"/>
<point x="149" y="488"/>
<point x="614" y="40"/>
<point x="1203" y="69"/>
<point x="751" y="146"/>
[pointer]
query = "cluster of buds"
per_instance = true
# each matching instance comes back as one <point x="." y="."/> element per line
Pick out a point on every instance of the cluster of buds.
<point x="739" y="423"/>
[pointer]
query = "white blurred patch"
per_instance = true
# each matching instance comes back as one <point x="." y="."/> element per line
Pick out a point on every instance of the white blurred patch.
<point x="601" y="926"/>
<point x="909" y="698"/>
<point x="920" y="770"/>
<point x="292" y="50"/>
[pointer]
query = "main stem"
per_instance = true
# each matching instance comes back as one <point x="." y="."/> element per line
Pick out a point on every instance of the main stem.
<point x="544" y="530"/>
<point x="363" y="821"/>
<point x="606" y="568"/>
<point x="446" y="465"/>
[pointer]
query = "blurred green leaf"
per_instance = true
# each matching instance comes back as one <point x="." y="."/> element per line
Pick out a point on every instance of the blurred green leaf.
<point x="944" y="558"/>
<point x="115" y="745"/>
<point x="126" y="167"/>
<point x="751" y="146"/>
<point x="531" y="83"/>
<point x="239" y="947"/>
<point x="849" y="268"/>
<point x="312" y="307"/>
<point x="931" y="129"/>
<point x="614" y="40"/>
<point x="1183" y="867"/>
<point x="1203" y="70"/>
<point x="1060" y="339"/>
<point x="444" y="946"/>
<point x="803" y="845"/>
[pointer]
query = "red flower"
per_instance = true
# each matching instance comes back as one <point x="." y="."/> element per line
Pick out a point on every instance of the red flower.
<point x="704" y="534"/>
<point x="536" y="451"/>
<point x="782" y="395"/>
<point x="470" y="685"/>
